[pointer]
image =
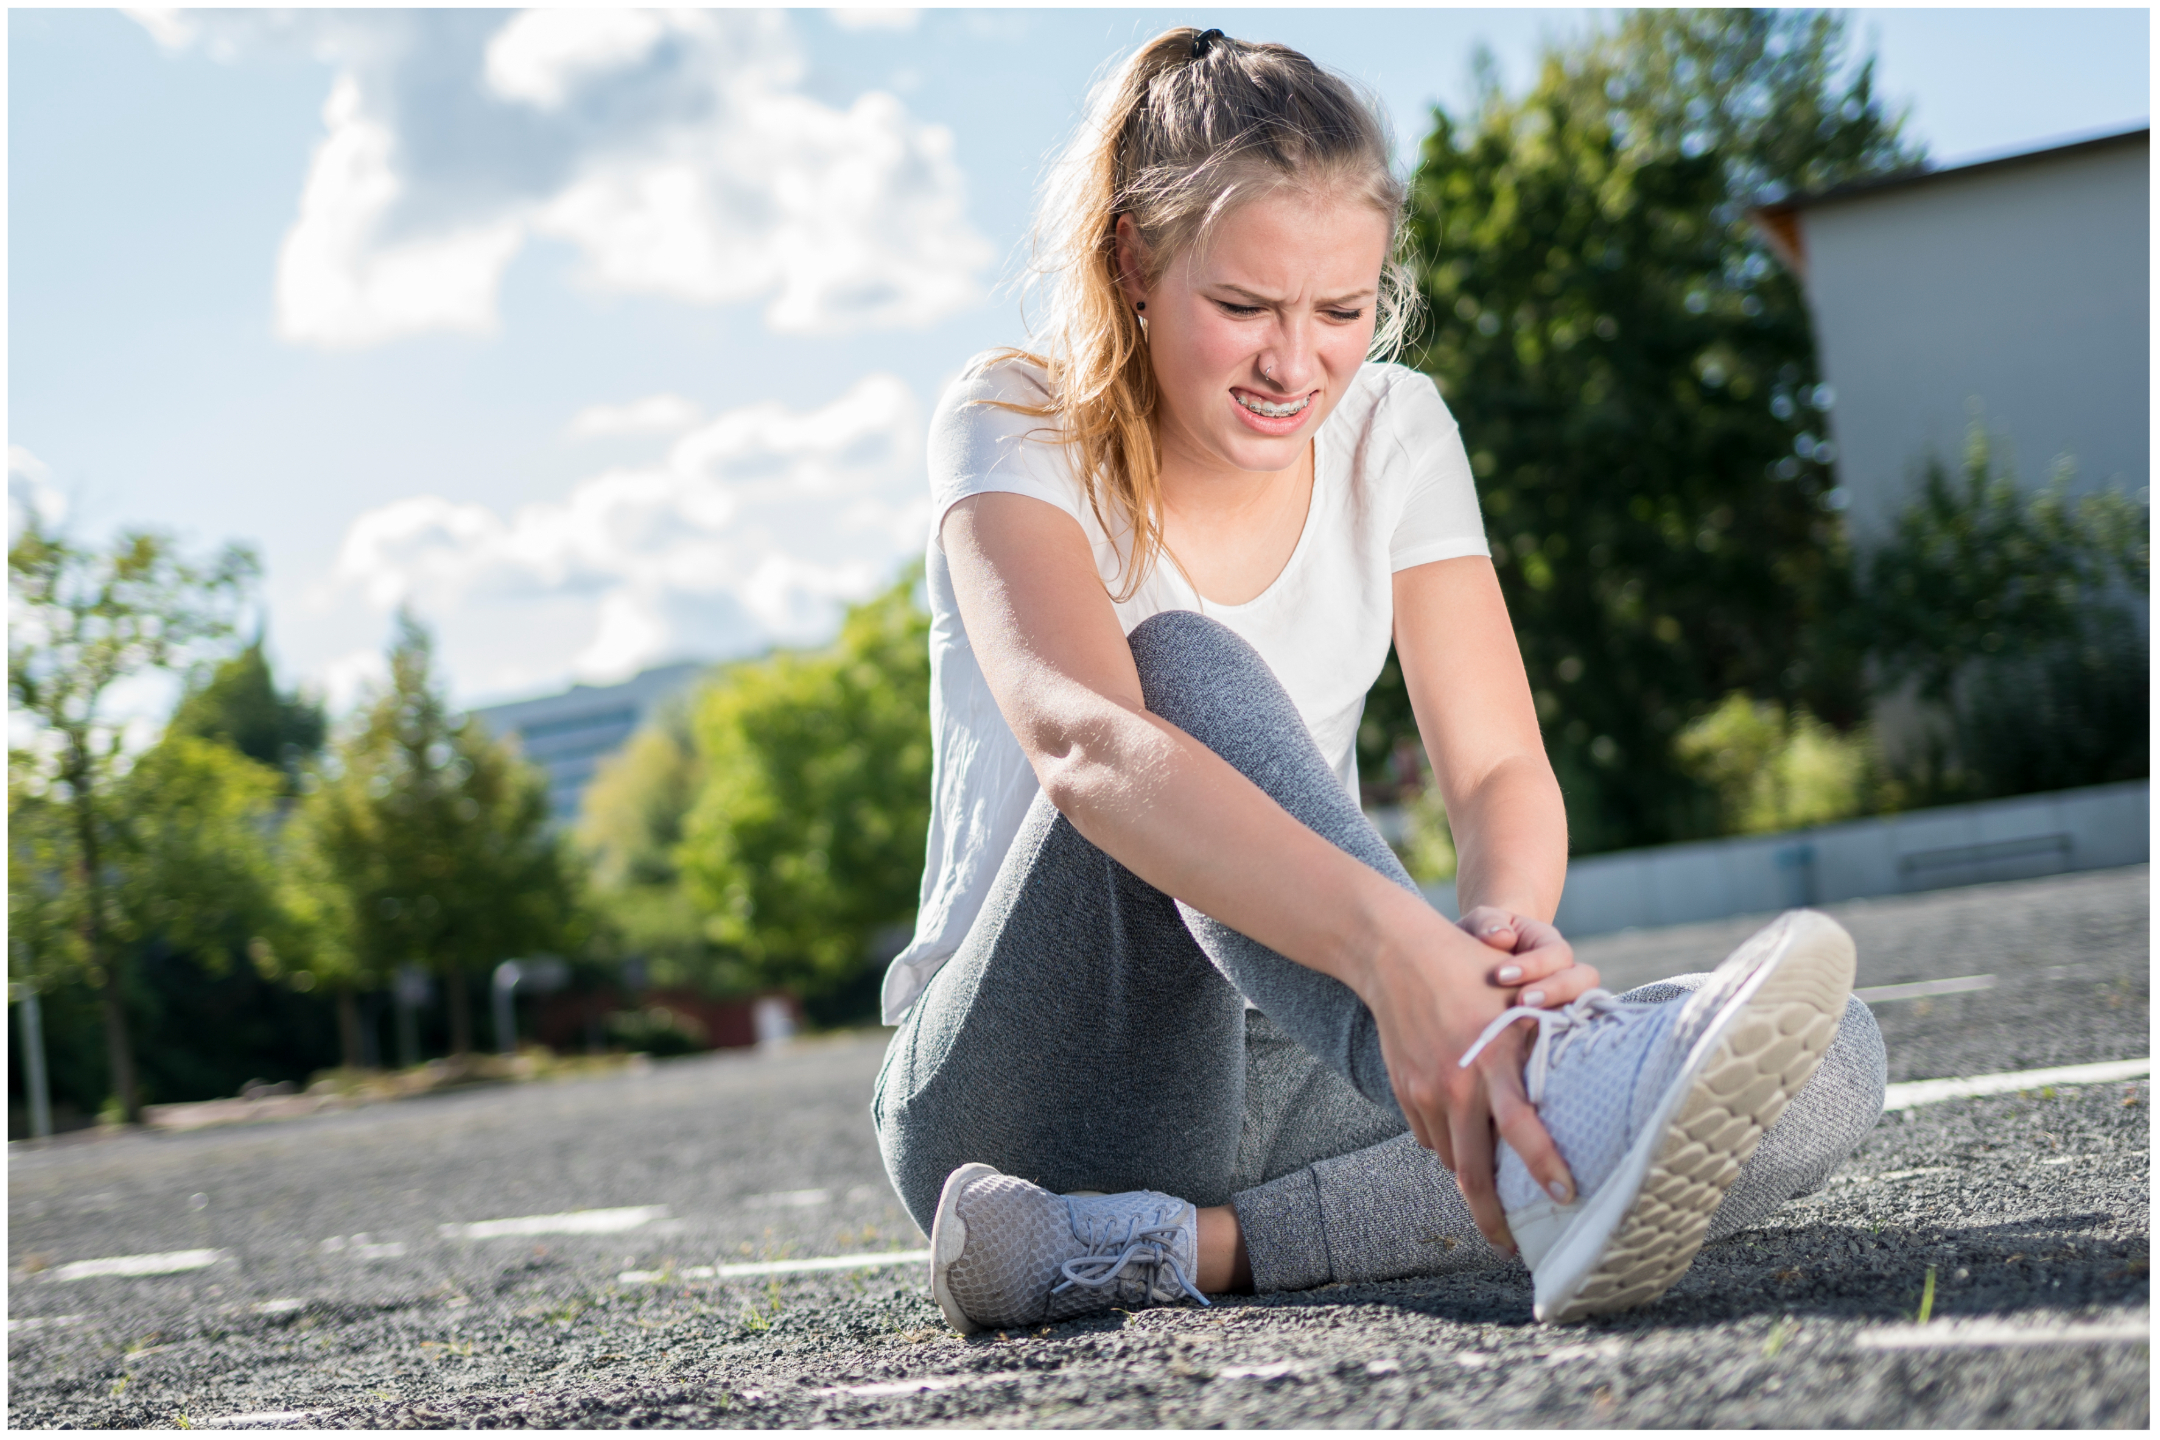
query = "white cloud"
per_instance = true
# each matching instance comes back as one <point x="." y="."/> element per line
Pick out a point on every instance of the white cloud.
<point x="653" y="415"/>
<point x="675" y="150"/>
<point x="756" y="527"/>
<point x="338" y="286"/>
<point x="31" y="492"/>
<point x="876" y="17"/>
<point x="346" y="680"/>
<point x="542" y="55"/>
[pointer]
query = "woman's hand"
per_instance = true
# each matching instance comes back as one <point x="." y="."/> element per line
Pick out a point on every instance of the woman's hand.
<point x="1541" y="965"/>
<point x="1430" y="1004"/>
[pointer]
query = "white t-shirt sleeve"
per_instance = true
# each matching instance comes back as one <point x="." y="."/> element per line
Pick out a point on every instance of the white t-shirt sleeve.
<point x="977" y="449"/>
<point x="1440" y="519"/>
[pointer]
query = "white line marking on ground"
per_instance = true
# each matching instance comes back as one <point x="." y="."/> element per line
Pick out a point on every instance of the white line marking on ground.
<point x="169" y="1263"/>
<point x="1928" y="1092"/>
<point x="260" y="1417"/>
<point x="789" y="1199"/>
<point x="284" y="1305"/>
<point x="1382" y="1367"/>
<point x="364" y="1247"/>
<point x="1977" y="1334"/>
<point x="825" y="1262"/>
<point x="776" y="1267"/>
<point x="571" y="1222"/>
<point x="1922" y="989"/>
<point x="1257" y="1372"/>
<point x="40" y="1322"/>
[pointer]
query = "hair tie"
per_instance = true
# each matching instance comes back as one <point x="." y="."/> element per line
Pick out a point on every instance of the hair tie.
<point x="1204" y="39"/>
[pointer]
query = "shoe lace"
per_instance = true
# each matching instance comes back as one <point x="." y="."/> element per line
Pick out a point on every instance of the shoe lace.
<point x="1578" y="1020"/>
<point x="1145" y="1242"/>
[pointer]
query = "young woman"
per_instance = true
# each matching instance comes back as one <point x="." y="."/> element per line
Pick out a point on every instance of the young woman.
<point x="1175" y="1020"/>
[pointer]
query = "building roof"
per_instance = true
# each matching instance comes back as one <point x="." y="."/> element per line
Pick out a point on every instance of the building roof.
<point x="1780" y="221"/>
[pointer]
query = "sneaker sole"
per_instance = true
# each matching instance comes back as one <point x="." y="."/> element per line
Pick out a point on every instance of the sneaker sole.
<point x="948" y="1238"/>
<point x="1777" y="1016"/>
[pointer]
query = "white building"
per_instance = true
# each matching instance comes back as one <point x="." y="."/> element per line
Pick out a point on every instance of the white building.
<point x="568" y="735"/>
<point x="2016" y="289"/>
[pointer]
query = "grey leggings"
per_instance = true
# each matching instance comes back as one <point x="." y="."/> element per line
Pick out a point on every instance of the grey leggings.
<point x="1092" y="1034"/>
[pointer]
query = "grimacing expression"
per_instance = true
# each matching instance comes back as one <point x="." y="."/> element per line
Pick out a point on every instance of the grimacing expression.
<point x="1256" y="335"/>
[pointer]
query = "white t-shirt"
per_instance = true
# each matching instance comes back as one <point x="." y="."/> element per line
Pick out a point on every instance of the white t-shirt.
<point x="1391" y="489"/>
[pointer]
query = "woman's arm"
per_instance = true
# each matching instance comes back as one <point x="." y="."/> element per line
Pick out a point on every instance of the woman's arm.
<point x="1188" y="823"/>
<point x="1464" y="673"/>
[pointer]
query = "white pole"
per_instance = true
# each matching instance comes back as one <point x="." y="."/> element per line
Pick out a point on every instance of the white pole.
<point x="33" y="1033"/>
<point x="506" y="979"/>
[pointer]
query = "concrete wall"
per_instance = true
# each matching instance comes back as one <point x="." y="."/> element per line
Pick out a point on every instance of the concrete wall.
<point x="2089" y="829"/>
<point x="2023" y="285"/>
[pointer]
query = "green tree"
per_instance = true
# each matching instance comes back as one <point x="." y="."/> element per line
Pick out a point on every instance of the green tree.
<point x="1776" y="770"/>
<point x="630" y="830"/>
<point x="83" y="621"/>
<point x="239" y="704"/>
<point x="805" y="843"/>
<point x="434" y="841"/>
<point x="1634" y="376"/>
<point x="2004" y="613"/>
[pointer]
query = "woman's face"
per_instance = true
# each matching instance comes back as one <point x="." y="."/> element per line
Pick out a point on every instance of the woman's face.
<point x="1256" y="336"/>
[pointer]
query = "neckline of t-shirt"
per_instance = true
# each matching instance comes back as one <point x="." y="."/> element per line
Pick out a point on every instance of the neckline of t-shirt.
<point x="1297" y="551"/>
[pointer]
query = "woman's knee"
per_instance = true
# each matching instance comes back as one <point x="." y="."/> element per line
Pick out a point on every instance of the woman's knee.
<point x="1206" y="679"/>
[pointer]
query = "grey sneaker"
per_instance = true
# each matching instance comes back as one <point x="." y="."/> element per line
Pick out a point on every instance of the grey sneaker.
<point x="1007" y="1252"/>
<point x="1656" y="1107"/>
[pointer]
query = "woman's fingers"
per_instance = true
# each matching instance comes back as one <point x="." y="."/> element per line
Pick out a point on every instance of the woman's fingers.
<point x="1538" y="953"/>
<point x="1557" y="989"/>
<point x="1517" y="1121"/>
<point x="1491" y="924"/>
<point x="1470" y="1129"/>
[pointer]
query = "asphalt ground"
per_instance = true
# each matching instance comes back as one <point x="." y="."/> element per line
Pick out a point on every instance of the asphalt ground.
<point x="338" y="1298"/>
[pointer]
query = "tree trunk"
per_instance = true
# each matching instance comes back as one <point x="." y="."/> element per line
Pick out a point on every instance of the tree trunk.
<point x="348" y="1024"/>
<point x="119" y="1051"/>
<point x="460" y="1010"/>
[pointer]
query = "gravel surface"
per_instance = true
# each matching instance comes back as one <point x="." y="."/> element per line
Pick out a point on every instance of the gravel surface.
<point x="338" y="1298"/>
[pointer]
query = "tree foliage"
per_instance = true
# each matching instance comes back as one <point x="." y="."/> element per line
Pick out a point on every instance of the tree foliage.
<point x="1634" y="377"/>
<point x="2006" y="613"/>
<point x="81" y="622"/>
<point x="238" y="704"/>
<point x="805" y="843"/>
<point x="631" y="829"/>
<point x="433" y="840"/>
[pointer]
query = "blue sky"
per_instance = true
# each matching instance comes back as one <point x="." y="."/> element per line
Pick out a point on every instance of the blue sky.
<point x="606" y="340"/>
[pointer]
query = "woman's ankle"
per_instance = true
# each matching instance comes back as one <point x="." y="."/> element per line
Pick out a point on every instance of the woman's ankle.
<point x="1225" y="1268"/>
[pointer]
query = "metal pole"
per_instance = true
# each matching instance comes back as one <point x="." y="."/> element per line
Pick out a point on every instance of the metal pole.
<point x="33" y="1033"/>
<point x="506" y="979"/>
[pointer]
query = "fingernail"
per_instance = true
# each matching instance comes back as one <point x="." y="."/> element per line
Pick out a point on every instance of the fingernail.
<point x="1559" y="1190"/>
<point x="1533" y="997"/>
<point x="1509" y="972"/>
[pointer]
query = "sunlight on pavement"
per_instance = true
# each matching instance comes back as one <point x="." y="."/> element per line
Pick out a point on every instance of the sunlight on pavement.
<point x="571" y="1222"/>
<point x="169" y="1263"/>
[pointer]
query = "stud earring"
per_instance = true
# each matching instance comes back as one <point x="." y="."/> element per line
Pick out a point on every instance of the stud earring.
<point x="1139" y="307"/>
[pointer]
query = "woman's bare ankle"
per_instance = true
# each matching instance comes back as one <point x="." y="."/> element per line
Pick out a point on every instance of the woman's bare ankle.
<point x="1225" y="1268"/>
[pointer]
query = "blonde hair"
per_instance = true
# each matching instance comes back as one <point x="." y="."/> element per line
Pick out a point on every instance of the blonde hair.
<point x="1190" y="127"/>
